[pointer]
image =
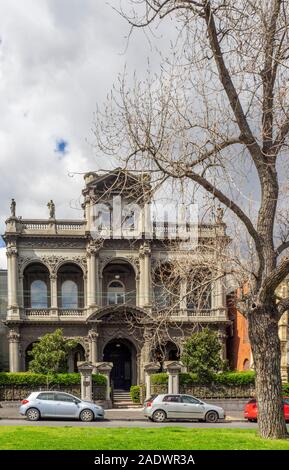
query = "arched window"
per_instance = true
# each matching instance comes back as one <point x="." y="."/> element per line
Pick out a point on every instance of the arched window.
<point x="38" y="294"/>
<point x="246" y="364"/>
<point x="115" y="293"/>
<point x="69" y="294"/>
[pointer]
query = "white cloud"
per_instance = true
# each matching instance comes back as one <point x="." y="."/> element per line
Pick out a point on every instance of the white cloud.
<point x="57" y="60"/>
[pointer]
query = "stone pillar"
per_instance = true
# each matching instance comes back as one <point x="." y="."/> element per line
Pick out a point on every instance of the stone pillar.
<point x="183" y="293"/>
<point x="21" y="291"/>
<point x="97" y="281"/>
<point x="14" y="351"/>
<point x="85" y="369"/>
<point x="92" y="336"/>
<point x="12" y="276"/>
<point x="145" y="275"/>
<point x="150" y="368"/>
<point x="93" y="289"/>
<point x="105" y="369"/>
<point x="53" y="291"/>
<point x="173" y="368"/>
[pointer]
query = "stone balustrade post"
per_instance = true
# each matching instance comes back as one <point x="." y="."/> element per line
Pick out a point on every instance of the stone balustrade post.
<point x="105" y="369"/>
<point x="150" y="368"/>
<point x="85" y="369"/>
<point x="173" y="368"/>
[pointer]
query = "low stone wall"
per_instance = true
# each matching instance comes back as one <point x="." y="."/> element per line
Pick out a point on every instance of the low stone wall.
<point x="19" y="392"/>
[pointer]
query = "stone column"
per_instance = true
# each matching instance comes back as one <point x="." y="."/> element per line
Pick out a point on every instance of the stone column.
<point x="150" y="368"/>
<point x="21" y="291"/>
<point x="174" y="368"/>
<point x="14" y="351"/>
<point x="92" y="279"/>
<point x="105" y="369"/>
<point x="12" y="276"/>
<point x="145" y="275"/>
<point x="92" y="336"/>
<point x="183" y="293"/>
<point x="53" y="291"/>
<point x="85" y="369"/>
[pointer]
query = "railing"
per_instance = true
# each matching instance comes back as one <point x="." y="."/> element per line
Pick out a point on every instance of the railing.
<point x="213" y="314"/>
<point x="48" y="312"/>
<point x="52" y="226"/>
<point x="71" y="312"/>
<point x="37" y="312"/>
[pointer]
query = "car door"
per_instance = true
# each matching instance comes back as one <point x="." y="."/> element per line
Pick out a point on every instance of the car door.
<point x="66" y="406"/>
<point x="46" y="404"/>
<point x="193" y="408"/>
<point x="286" y="408"/>
<point x="173" y="406"/>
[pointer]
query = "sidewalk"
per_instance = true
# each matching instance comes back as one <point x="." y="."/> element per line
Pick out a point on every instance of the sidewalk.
<point x="11" y="412"/>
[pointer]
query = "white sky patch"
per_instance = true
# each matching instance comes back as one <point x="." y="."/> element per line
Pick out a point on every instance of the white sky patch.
<point x="58" y="60"/>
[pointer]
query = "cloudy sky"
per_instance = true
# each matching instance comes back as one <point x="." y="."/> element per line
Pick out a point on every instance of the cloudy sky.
<point x="58" y="60"/>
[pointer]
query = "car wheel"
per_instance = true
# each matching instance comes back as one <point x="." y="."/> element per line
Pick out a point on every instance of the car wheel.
<point x="33" y="414"/>
<point x="86" y="415"/>
<point x="212" y="417"/>
<point x="159" y="416"/>
<point x="149" y="418"/>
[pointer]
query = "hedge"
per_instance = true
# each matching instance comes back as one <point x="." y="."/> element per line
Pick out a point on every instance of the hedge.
<point x="226" y="378"/>
<point x="29" y="378"/>
<point x="135" y="393"/>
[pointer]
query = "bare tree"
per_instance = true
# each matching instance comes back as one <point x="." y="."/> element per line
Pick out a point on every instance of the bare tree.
<point x="218" y="109"/>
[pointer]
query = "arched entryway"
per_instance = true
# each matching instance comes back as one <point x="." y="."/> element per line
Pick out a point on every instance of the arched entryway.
<point x="121" y="353"/>
<point x="76" y="355"/>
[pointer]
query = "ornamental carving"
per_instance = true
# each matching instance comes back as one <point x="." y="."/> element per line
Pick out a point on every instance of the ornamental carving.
<point x="54" y="243"/>
<point x="11" y="251"/>
<point x="133" y="260"/>
<point x="13" y="336"/>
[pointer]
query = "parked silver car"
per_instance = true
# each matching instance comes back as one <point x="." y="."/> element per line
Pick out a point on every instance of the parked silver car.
<point x="48" y="404"/>
<point x="167" y="406"/>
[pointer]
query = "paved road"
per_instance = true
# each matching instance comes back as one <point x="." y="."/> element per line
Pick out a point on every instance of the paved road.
<point x="129" y="424"/>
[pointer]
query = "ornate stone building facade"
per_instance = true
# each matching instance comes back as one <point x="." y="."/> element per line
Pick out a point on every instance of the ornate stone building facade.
<point x="100" y="288"/>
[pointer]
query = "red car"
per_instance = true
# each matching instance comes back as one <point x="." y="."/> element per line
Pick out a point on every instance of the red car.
<point x="251" y="409"/>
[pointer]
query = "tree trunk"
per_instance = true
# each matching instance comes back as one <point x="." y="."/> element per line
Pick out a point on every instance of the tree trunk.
<point x="263" y="333"/>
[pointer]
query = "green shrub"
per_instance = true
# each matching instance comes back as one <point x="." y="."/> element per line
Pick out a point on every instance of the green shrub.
<point x="286" y="389"/>
<point x="31" y="379"/>
<point x="159" y="379"/>
<point x="188" y="378"/>
<point x="235" y="378"/>
<point x="135" y="393"/>
<point x="226" y="378"/>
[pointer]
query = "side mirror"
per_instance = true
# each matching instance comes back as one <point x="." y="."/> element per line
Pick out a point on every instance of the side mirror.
<point x="76" y="402"/>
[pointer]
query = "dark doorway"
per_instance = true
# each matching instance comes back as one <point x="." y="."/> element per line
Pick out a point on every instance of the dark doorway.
<point x="119" y="353"/>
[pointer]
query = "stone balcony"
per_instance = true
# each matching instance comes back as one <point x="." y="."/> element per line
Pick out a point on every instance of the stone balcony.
<point x="78" y="227"/>
<point x="49" y="314"/>
<point x="188" y="316"/>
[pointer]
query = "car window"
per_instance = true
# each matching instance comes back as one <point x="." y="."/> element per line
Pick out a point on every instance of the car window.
<point x="172" y="398"/>
<point x="286" y="401"/>
<point x="189" y="399"/>
<point x="253" y="400"/>
<point x="45" y="396"/>
<point x="64" y="397"/>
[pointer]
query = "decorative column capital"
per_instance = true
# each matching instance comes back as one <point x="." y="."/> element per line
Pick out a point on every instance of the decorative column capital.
<point x="13" y="336"/>
<point x="145" y="250"/>
<point x="92" y="335"/>
<point x="11" y="251"/>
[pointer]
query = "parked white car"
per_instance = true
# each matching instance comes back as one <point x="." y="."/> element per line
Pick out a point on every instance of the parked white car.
<point x="168" y="406"/>
<point x="48" y="404"/>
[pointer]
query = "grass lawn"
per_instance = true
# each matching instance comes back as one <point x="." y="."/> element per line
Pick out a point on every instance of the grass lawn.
<point x="167" y="438"/>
